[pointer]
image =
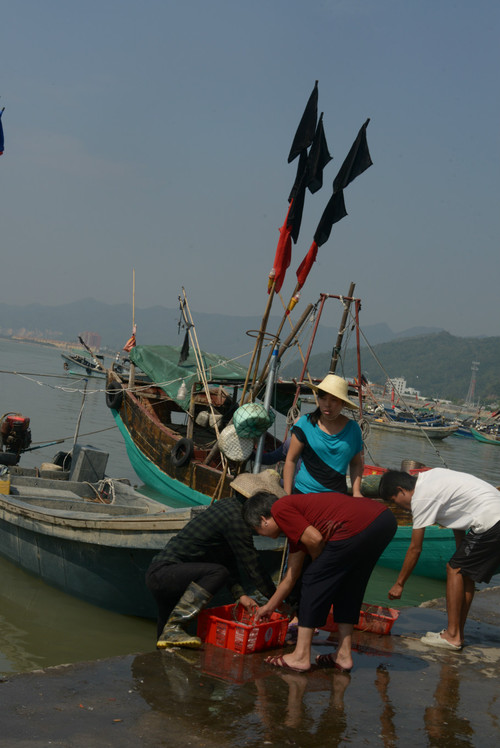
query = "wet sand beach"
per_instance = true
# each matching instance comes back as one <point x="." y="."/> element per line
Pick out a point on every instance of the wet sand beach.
<point x="399" y="693"/>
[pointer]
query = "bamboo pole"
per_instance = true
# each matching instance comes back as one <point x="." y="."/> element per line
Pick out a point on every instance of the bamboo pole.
<point x="77" y="430"/>
<point x="131" y="374"/>
<point x="199" y="361"/>
<point x="340" y="336"/>
<point x="284" y="347"/>
<point x="258" y="346"/>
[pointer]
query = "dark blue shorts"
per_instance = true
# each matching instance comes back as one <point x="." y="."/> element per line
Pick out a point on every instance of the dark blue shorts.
<point x="478" y="555"/>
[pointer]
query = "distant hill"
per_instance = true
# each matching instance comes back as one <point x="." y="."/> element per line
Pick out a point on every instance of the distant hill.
<point x="438" y="365"/>
<point x="431" y="360"/>
<point x="224" y="334"/>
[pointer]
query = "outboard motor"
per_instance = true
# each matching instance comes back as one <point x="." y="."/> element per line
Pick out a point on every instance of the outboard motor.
<point x="16" y="437"/>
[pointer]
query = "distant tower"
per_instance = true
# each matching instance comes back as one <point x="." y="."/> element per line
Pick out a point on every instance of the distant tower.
<point x="469" y="400"/>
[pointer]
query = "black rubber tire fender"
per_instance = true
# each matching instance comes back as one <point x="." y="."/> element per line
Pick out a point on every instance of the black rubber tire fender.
<point x="114" y="396"/>
<point x="181" y="453"/>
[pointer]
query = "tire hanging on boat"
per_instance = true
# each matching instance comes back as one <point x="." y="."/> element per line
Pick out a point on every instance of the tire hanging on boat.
<point x="181" y="453"/>
<point x="114" y="396"/>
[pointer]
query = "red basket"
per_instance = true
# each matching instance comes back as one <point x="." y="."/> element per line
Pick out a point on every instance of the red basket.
<point x="226" y="627"/>
<point x="373" y="618"/>
<point x="373" y="470"/>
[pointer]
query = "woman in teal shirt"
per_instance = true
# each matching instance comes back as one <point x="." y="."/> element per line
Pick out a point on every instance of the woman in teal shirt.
<point x="328" y="443"/>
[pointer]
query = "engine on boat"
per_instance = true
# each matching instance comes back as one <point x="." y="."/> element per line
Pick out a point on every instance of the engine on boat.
<point x="16" y="437"/>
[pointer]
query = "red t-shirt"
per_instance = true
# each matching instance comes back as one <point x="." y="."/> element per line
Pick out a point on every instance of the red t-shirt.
<point x="349" y="514"/>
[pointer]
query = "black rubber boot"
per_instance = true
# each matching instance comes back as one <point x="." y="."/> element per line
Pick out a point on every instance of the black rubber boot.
<point x="173" y="635"/>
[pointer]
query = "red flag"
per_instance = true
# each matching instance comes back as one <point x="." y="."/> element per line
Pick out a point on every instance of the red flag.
<point x="306" y="264"/>
<point x="131" y="343"/>
<point x="283" y="255"/>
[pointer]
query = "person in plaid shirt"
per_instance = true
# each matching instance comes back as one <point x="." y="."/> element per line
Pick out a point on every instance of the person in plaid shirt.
<point x="203" y="557"/>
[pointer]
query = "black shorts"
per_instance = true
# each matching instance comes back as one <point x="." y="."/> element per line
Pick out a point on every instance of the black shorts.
<point x="478" y="555"/>
<point x="340" y="574"/>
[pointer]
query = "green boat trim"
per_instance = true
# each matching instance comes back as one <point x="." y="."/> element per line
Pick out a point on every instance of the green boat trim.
<point x="484" y="438"/>
<point x="173" y="491"/>
<point x="438" y="547"/>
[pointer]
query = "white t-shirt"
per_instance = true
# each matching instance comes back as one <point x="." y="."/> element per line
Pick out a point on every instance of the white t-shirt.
<point x="455" y="500"/>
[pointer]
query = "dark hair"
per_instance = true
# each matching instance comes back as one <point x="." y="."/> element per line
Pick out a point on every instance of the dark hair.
<point x="314" y="416"/>
<point x="257" y="506"/>
<point x="394" y="480"/>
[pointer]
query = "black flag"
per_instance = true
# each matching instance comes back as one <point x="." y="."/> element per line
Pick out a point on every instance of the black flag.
<point x="357" y="161"/>
<point x="319" y="157"/>
<point x="334" y="211"/>
<point x="185" y="348"/>
<point x="307" y="126"/>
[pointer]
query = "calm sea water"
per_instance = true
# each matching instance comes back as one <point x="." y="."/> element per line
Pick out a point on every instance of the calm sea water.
<point x="40" y="626"/>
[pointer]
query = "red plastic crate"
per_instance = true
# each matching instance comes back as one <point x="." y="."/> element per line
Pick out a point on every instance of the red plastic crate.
<point x="225" y="627"/>
<point x="373" y="470"/>
<point x="373" y="618"/>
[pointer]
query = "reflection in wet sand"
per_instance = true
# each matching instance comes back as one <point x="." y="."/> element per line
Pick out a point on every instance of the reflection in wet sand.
<point x="442" y="723"/>
<point x="398" y="693"/>
<point x="387" y="728"/>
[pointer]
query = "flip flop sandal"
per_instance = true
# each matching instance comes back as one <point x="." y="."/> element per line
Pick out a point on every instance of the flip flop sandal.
<point x="434" y="639"/>
<point x="327" y="660"/>
<point x="279" y="661"/>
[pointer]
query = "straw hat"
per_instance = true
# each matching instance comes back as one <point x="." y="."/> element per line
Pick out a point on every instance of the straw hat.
<point x="337" y="387"/>
<point x="249" y="483"/>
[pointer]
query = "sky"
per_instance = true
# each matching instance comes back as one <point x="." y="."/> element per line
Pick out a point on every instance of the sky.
<point x="153" y="136"/>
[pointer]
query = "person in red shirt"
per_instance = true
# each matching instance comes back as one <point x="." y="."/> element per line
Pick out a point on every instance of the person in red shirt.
<point x="344" y="536"/>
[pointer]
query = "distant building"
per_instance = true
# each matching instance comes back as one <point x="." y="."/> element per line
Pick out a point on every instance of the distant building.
<point x="92" y="339"/>
<point x="399" y="386"/>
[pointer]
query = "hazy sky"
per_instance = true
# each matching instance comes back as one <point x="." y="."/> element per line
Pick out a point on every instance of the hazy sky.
<point x="154" y="135"/>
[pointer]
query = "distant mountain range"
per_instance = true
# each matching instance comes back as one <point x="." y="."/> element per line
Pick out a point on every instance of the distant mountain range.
<point x="430" y="359"/>
<point x="437" y="365"/>
<point x="220" y="333"/>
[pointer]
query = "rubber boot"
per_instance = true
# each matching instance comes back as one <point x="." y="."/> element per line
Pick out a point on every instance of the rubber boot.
<point x="173" y="635"/>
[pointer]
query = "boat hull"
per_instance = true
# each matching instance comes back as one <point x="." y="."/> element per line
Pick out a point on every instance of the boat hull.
<point x="169" y="486"/>
<point x="427" y="432"/>
<point x="149" y="444"/>
<point x="485" y="438"/>
<point x="79" y="366"/>
<point x="438" y="547"/>
<point x="94" y="553"/>
<point x="98" y="553"/>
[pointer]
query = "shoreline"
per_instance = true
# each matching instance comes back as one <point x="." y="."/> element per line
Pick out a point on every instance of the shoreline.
<point x="400" y="692"/>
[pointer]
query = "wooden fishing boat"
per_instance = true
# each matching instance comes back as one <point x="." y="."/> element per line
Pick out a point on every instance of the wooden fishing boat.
<point x="463" y="431"/>
<point x="486" y="437"/>
<point x="161" y="428"/>
<point x="171" y="428"/>
<point x="81" y="366"/>
<point x="94" y="541"/>
<point x="408" y="416"/>
<point x="431" y="432"/>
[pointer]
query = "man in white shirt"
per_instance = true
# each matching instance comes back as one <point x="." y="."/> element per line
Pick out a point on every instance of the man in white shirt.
<point x="468" y="506"/>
